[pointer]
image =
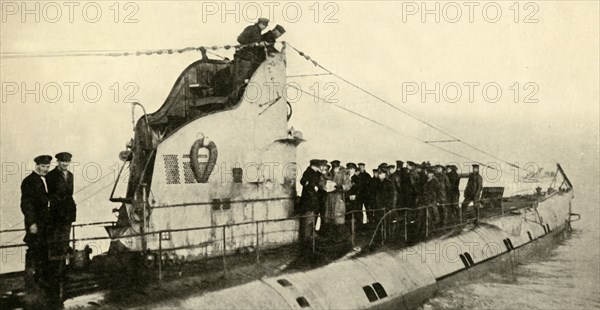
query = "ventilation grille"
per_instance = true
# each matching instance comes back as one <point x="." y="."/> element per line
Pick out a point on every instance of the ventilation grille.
<point x="171" y="169"/>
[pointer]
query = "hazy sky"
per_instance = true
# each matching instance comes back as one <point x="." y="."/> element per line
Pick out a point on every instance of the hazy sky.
<point x="548" y="50"/>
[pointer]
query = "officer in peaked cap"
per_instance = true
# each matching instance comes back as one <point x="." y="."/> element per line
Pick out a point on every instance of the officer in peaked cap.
<point x="34" y="205"/>
<point x="473" y="190"/>
<point x="271" y="37"/>
<point x="62" y="213"/>
<point x="252" y="33"/>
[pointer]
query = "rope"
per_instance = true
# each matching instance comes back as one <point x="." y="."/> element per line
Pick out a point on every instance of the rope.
<point x="120" y="53"/>
<point x="406" y="112"/>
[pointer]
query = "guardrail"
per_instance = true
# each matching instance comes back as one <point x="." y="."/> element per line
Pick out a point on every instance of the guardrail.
<point x="385" y="226"/>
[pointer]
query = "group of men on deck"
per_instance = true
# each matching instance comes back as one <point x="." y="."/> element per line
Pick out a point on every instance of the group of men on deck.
<point x="338" y="194"/>
<point x="49" y="209"/>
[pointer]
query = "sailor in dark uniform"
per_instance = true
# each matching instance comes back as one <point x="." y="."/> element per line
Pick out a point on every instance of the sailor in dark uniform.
<point x="322" y="192"/>
<point x="444" y="182"/>
<point x="431" y="196"/>
<point x="352" y="200"/>
<point x="34" y="205"/>
<point x="62" y="214"/>
<point x="63" y="210"/>
<point x="453" y="193"/>
<point x="248" y="58"/>
<point x="271" y="37"/>
<point x="473" y="190"/>
<point x="385" y="195"/>
<point x="372" y="189"/>
<point x="309" y="201"/>
<point x="364" y="182"/>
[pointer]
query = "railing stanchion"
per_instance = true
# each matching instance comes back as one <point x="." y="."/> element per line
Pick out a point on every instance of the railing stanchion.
<point x="224" y="249"/>
<point x="312" y="233"/>
<point x="426" y="222"/>
<point x="73" y="242"/>
<point x="160" y="256"/>
<point x="353" y="230"/>
<point x="405" y="225"/>
<point x="257" y="245"/>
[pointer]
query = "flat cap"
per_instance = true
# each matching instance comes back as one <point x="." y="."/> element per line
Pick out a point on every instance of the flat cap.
<point x="43" y="160"/>
<point x="279" y="28"/>
<point x="351" y="166"/>
<point x="315" y="162"/>
<point x="335" y="163"/>
<point x="63" y="156"/>
<point x="360" y="164"/>
<point x="263" y="20"/>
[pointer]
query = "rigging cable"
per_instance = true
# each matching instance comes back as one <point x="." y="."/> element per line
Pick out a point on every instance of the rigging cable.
<point x="410" y="114"/>
<point x="389" y="128"/>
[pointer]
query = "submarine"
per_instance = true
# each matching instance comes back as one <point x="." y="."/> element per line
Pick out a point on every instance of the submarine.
<point x="208" y="218"/>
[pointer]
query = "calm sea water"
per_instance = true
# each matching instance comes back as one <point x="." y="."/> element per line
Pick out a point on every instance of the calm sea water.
<point x="568" y="278"/>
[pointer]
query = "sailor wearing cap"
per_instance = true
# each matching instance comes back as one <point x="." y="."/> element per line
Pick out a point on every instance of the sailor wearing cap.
<point x="34" y="205"/>
<point x="385" y="195"/>
<point x="248" y="58"/>
<point x="431" y="195"/>
<point x="352" y="196"/>
<point x="271" y="37"/>
<point x="452" y="192"/>
<point x="252" y="33"/>
<point x="472" y="191"/>
<point x="309" y="201"/>
<point x="63" y="210"/>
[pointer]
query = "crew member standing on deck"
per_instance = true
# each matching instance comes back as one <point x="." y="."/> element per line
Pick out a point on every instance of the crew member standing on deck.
<point x="444" y="182"/>
<point x="472" y="191"/>
<point x="353" y="206"/>
<point x="431" y="197"/>
<point x="34" y="205"/>
<point x="62" y="214"/>
<point x="363" y="193"/>
<point x="385" y="195"/>
<point x="453" y="192"/>
<point x="309" y="202"/>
